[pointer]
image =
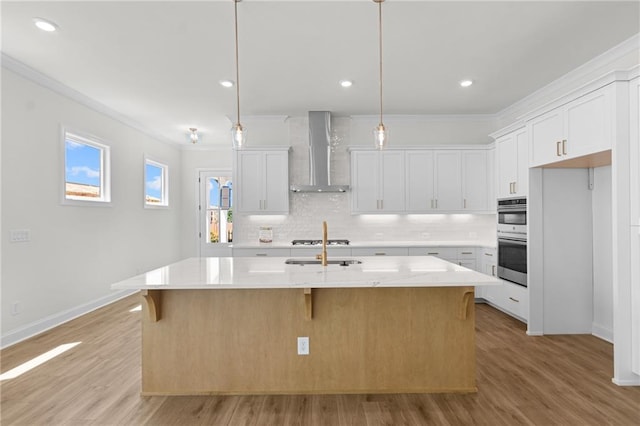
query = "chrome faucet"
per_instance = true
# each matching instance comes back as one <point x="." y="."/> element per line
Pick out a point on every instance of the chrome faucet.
<point x="323" y="255"/>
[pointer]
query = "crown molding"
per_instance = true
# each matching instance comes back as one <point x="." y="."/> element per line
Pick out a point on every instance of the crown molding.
<point x="43" y="80"/>
<point x="565" y="83"/>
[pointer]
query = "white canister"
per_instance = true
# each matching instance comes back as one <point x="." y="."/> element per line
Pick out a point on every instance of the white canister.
<point x="266" y="234"/>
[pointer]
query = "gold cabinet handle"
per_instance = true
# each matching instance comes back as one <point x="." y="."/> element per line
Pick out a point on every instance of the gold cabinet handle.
<point x="380" y="253"/>
<point x="558" y="149"/>
<point x="564" y="147"/>
<point x="515" y="300"/>
<point x="493" y="270"/>
<point x="489" y="254"/>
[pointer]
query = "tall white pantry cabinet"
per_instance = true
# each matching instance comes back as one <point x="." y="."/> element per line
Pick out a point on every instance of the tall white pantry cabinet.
<point x="634" y="169"/>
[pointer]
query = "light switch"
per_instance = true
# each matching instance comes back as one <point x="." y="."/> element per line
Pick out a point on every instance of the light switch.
<point x="20" y="235"/>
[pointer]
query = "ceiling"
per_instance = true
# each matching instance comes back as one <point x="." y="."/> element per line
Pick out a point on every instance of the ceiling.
<point x="159" y="63"/>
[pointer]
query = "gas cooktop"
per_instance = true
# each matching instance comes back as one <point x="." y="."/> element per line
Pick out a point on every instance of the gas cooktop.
<point x="319" y="242"/>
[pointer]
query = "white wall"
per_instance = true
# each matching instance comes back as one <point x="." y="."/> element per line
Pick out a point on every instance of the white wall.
<point x="602" y="254"/>
<point x="75" y="253"/>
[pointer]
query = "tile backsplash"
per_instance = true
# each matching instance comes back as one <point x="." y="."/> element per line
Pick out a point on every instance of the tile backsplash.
<point x="308" y="210"/>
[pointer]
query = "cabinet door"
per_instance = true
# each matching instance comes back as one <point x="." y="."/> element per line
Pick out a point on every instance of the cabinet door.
<point x="448" y="180"/>
<point x="364" y="182"/>
<point x="474" y="180"/>
<point x="276" y="182"/>
<point x="507" y="154"/>
<point x="588" y="124"/>
<point x="545" y="138"/>
<point x="521" y="186"/>
<point x="419" y="181"/>
<point x="249" y="183"/>
<point x="634" y="139"/>
<point x="392" y="174"/>
<point x="635" y="298"/>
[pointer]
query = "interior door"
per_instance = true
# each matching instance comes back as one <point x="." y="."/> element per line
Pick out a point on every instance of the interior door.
<point x="215" y="213"/>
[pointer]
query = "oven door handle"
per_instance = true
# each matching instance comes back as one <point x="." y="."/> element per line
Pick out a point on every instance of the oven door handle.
<point x="518" y="241"/>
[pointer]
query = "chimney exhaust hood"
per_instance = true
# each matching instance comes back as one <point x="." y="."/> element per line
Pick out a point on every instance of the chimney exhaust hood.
<point x="319" y="155"/>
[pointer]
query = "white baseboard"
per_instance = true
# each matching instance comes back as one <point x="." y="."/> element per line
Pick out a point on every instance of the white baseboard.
<point x="630" y="382"/>
<point x="602" y="332"/>
<point x="37" y="327"/>
<point x="534" y="333"/>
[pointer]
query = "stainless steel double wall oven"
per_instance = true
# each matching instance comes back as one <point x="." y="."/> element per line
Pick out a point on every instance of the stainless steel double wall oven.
<point x="512" y="240"/>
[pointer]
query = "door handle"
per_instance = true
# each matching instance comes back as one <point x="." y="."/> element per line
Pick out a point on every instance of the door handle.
<point x="558" y="149"/>
<point x="515" y="187"/>
<point x="493" y="270"/>
<point x="515" y="300"/>
<point x="564" y="147"/>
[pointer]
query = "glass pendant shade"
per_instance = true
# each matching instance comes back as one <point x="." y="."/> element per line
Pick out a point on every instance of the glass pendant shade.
<point x="238" y="136"/>
<point x="380" y="136"/>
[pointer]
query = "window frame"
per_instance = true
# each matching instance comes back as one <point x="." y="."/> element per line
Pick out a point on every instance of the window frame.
<point x="105" y="168"/>
<point x="164" y="191"/>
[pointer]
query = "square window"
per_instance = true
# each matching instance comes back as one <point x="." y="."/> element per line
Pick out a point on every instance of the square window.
<point x="156" y="188"/>
<point x="86" y="170"/>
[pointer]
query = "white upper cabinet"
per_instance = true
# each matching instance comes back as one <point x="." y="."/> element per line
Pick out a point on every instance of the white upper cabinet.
<point x="512" y="164"/>
<point x="419" y="181"/>
<point x="377" y="182"/>
<point x="448" y="180"/>
<point x="262" y="181"/>
<point x="475" y="180"/>
<point x="579" y="128"/>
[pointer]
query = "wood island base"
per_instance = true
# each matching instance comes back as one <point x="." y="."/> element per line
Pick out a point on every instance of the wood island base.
<point x="361" y="340"/>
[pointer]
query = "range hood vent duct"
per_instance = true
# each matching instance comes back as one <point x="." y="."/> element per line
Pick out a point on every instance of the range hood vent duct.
<point x="319" y="155"/>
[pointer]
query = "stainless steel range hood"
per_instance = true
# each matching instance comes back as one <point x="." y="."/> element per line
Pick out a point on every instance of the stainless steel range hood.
<point x="319" y="155"/>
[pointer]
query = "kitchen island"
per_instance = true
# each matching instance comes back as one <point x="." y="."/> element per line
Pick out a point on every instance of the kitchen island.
<point x="231" y="326"/>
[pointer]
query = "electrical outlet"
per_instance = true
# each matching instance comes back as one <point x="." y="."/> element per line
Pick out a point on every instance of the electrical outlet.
<point x="20" y="235"/>
<point x="303" y="346"/>
<point x="16" y="308"/>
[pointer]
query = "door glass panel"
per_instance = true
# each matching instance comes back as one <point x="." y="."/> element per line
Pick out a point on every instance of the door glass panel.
<point x="219" y="210"/>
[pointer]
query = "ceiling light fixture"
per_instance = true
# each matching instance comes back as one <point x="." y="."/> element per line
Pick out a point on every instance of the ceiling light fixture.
<point x="226" y="83"/>
<point x="194" y="134"/>
<point x="346" y="83"/>
<point x="238" y="133"/>
<point x="381" y="136"/>
<point x="466" y="83"/>
<point x="45" y="25"/>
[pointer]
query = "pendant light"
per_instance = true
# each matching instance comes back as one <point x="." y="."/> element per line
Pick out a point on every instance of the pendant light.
<point x="380" y="134"/>
<point x="238" y="133"/>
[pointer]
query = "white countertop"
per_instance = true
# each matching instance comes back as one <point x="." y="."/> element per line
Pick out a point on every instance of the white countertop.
<point x="461" y="243"/>
<point x="272" y="272"/>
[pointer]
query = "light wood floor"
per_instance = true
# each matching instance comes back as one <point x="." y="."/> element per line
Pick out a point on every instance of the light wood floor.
<point x="550" y="380"/>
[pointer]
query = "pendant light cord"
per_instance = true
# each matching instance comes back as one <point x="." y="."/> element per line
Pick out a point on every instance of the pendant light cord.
<point x="380" y="45"/>
<point x="237" y="66"/>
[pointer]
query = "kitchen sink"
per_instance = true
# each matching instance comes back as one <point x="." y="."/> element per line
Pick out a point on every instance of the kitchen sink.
<point x="341" y="262"/>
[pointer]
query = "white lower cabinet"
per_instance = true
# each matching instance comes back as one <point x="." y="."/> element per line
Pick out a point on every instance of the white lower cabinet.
<point x="379" y="251"/>
<point x="463" y="256"/>
<point x="332" y="251"/>
<point x="262" y="252"/>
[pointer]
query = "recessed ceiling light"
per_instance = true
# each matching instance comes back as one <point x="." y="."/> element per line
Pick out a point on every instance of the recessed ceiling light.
<point x="45" y="25"/>
<point x="346" y="83"/>
<point x="226" y="83"/>
<point x="466" y="83"/>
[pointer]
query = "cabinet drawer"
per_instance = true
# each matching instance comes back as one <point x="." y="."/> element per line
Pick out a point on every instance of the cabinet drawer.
<point x="517" y="300"/>
<point x="466" y="253"/>
<point x="386" y="251"/>
<point x="468" y="263"/>
<point x="266" y="252"/>
<point x="446" y="253"/>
